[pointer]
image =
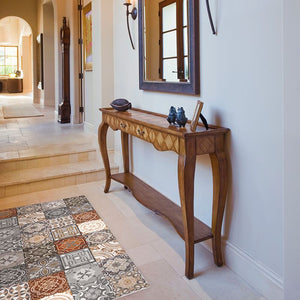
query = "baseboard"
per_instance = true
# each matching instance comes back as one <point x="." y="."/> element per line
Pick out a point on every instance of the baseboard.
<point x="90" y="128"/>
<point x="258" y="276"/>
<point x="56" y="115"/>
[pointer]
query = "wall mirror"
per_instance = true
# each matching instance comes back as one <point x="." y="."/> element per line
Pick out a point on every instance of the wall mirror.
<point x="169" y="46"/>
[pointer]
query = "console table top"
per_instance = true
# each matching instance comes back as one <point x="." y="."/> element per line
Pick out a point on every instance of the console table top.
<point x="159" y="122"/>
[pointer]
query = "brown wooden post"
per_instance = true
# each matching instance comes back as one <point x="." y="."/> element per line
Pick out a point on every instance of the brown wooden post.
<point x="64" y="108"/>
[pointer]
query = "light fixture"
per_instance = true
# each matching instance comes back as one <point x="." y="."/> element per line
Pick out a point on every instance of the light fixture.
<point x="133" y="14"/>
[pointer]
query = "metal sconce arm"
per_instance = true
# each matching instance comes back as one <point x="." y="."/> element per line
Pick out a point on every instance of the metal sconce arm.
<point x="210" y="18"/>
<point x="133" y="14"/>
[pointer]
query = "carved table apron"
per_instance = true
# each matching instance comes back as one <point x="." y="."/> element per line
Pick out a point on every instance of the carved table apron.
<point x="155" y="129"/>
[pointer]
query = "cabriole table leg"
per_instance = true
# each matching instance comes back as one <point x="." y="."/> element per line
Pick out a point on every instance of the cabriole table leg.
<point x="102" y="133"/>
<point x="186" y="173"/>
<point x="219" y="170"/>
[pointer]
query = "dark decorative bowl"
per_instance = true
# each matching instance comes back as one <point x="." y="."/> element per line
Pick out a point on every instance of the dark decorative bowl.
<point x="121" y="104"/>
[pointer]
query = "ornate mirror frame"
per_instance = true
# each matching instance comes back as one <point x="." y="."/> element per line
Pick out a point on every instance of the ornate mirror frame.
<point x="191" y="87"/>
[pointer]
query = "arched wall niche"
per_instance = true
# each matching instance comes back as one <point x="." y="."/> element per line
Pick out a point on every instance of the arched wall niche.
<point x="27" y="13"/>
<point x="15" y="31"/>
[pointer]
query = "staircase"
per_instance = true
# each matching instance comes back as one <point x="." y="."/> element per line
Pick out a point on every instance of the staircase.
<point x="50" y="167"/>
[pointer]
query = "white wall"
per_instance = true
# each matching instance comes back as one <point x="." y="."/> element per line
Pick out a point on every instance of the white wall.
<point x="292" y="149"/>
<point x="99" y="83"/>
<point x="10" y="31"/>
<point x="48" y="48"/>
<point x="27" y="63"/>
<point x="242" y="88"/>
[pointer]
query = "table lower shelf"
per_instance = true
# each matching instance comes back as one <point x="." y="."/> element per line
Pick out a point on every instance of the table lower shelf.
<point x="161" y="205"/>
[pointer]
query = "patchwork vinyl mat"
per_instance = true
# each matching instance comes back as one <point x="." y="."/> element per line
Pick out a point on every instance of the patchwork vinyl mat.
<point x="62" y="250"/>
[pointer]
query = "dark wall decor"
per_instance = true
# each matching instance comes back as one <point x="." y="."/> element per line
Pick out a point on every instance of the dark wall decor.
<point x="64" y="108"/>
<point x="40" y="61"/>
<point x="169" y="51"/>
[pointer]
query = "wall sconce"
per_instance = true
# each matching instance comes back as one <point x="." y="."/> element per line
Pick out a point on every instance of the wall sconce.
<point x="133" y="14"/>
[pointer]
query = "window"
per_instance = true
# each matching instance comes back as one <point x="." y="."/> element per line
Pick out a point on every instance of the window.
<point x="8" y="59"/>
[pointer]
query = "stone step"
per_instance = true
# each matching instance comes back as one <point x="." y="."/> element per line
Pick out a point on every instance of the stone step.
<point x="52" y="166"/>
<point x="44" y="178"/>
<point x="53" y="155"/>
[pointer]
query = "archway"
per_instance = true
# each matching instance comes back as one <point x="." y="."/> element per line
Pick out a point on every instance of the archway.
<point x="16" y="55"/>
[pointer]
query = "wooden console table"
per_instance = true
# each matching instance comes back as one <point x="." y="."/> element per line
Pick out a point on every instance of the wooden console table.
<point x="155" y="129"/>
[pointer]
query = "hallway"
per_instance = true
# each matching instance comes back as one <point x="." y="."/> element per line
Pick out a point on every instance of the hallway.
<point x="38" y="153"/>
<point x="21" y="137"/>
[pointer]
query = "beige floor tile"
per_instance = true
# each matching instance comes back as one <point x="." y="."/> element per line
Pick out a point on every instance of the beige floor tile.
<point x="223" y="284"/>
<point x="125" y="202"/>
<point x="144" y="255"/>
<point x="70" y="180"/>
<point x="9" y="155"/>
<point x="2" y="192"/>
<point x="165" y="284"/>
<point x="197" y="288"/>
<point x="203" y="258"/>
<point x="170" y="255"/>
<point x="80" y="179"/>
<point x="73" y="158"/>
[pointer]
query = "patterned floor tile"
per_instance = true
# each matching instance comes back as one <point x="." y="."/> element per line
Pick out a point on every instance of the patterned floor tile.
<point x="39" y="252"/>
<point x="35" y="228"/>
<point x="91" y="226"/>
<point x="60" y="222"/>
<point x="24" y="210"/>
<point x="76" y="258"/>
<point x="43" y="267"/>
<point x="16" y="292"/>
<point x="87" y="282"/>
<point x="60" y="296"/>
<point x="118" y="265"/>
<point x="83" y="275"/>
<point x="11" y="259"/>
<point x="101" y="290"/>
<point x="128" y="283"/>
<point x="11" y="244"/>
<point x="70" y="244"/>
<point x="65" y="232"/>
<point x="53" y="205"/>
<point x="99" y="237"/>
<point x="8" y="222"/>
<point x="122" y="275"/>
<point x="36" y="239"/>
<point x="57" y="213"/>
<point x="80" y="209"/>
<point x="38" y="242"/>
<point x="86" y="216"/>
<point x="48" y="285"/>
<point x="9" y="233"/>
<point x="13" y="276"/>
<point x="76" y="201"/>
<point x="107" y="250"/>
<point x="31" y="218"/>
<point x="8" y="213"/>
